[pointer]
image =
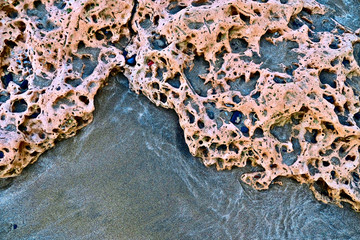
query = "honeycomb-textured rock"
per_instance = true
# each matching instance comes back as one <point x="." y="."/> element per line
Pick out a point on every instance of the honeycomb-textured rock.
<point x="54" y="56"/>
<point x="272" y="83"/>
<point x="257" y="82"/>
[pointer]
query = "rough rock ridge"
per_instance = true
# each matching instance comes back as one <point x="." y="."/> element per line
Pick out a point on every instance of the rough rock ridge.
<point x="274" y="84"/>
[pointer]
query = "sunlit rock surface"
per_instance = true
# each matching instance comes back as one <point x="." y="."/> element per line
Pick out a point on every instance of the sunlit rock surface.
<point x="271" y="87"/>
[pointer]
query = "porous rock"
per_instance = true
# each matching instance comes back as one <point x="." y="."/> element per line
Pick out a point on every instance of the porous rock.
<point x="253" y="82"/>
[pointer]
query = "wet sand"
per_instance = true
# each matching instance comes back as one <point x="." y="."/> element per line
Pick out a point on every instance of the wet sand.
<point x="129" y="175"/>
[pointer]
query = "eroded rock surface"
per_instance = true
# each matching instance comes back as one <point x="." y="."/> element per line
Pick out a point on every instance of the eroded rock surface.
<point x="274" y="84"/>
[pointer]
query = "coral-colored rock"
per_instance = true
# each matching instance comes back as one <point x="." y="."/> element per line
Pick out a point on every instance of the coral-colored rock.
<point x="252" y="82"/>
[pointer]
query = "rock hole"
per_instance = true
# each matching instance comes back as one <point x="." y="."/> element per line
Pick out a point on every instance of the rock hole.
<point x="328" y="77"/>
<point x="84" y="99"/>
<point x="282" y="133"/>
<point x="238" y="45"/>
<point x="200" y="67"/>
<point x="174" y="7"/>
<point x="245" y="87"/>
<point x="310" y="137"/>
<point x="175" y="81"/>
<point x="321" y="187"/>
<point x="19" y="106"/>
<point x="191" y="117"/>
<point x="277" y="57"/>
<point x="289" y="158"/>
<point x="74" y="82"/>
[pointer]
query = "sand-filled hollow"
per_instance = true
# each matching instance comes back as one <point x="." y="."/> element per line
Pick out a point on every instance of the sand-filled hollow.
<point x="272" y="84"/>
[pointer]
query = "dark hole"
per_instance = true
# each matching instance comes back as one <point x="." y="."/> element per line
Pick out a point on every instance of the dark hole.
<point x="156" y="20"/>
<point x="163" y="98"/>
<point x="335" y="161"/>
<point x="310" y="137"/>
<point x="88" y="7"/>
<point x="295" y="23"/>
<point x="326" y="163"/>
<point x="37" y="4"/>
<point x="155" y="85"/>
<point x="233" y="148"/>
<point x="321" y="187"/>
<point x="7" y="79"/>
<point x="258" y="133"/>
<point x="84" y="99"/>
<point x="108" y="34"/>
<point x="36" y="113"/>
<point x="333" y="174"/>
<point x="327" y="77"/>
<point x="245" y="18"/>
<point x="256" y="95"/>
<point x="279" y="80"/>
<point x="81" y="45"/>
<point x="200" y="124"/>
<point x="328" y="98"/>
<point x="19" y="106"/>
<point x="1" y="154"/>
<point x="233" y="11"/>
<point x="21" y="26"/>
<point x="236" y="99"/>
<point x="11" y="44"/>
<point x="99" y="36"/>
<point x="346" y="63"/>
<point x="174" y="82"/>
<point x="334" y="44"/>
<point x="24" y="85"/>
<point x="238" y="45"/>
<point x="350" y="158"/>
<point x="334" y="62"/>
<point x="313" y="36"/>
<point x="236" y="117"/>
<point x="346" y="196"/>
<point x="222" y="148"/>
<point x="191" y="117"/>
<point x="73" y="82"/>
<point x="329" y="126"/>
<point x="204" y="151"/>
<point x="94" y="18"/>
<point x="22" y="128"/>
<point x="289" y="158"/>
<point x="244" y="129"/>
<point x="199" y="3"/>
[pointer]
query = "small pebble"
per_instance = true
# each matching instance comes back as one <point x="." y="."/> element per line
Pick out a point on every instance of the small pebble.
<point x="150" y="63"/>
<point x="160" y="43"/>
<point x="131" y="61"/>
<point x="236" y="117"/>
